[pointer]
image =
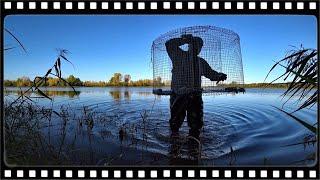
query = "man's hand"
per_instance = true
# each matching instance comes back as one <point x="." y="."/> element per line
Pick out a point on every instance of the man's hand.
<point x="221" y="77"/>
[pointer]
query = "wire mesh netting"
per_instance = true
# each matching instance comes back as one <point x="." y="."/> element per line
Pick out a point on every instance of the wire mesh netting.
<point x="193" y="58"/>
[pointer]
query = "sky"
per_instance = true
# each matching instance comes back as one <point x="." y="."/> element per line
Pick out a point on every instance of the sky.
<point x="102" y="45"/>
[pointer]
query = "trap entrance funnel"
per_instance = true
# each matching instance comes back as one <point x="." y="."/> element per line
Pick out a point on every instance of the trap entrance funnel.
<point x="175" y="69"/>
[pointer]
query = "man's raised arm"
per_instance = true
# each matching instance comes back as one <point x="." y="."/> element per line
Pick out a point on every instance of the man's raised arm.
<point x="172" y="45"/>
<point x="209" y="73"/>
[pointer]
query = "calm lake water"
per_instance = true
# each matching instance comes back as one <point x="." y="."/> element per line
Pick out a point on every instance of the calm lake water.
<point x="239" y="129"/>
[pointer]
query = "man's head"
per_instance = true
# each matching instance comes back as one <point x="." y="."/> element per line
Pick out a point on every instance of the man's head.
<point x="195" y="43"/>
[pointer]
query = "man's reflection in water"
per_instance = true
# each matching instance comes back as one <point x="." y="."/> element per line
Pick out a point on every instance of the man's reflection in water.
<point x="180" y="146"/>
<point x="127" y="95"/>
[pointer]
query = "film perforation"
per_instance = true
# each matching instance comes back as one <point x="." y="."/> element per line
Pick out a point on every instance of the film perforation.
<point x="93" y="5"/>
<point x="166" y="173"/>
<point x="300" y="5"/>
<point x="129" y="174"/>
<point x="7" y="173"/>
<point x="141" y="5"/>
<point x="104" y="5"/>
<point x="240" y="5"/>
<point x="153" y="173"/>
<point x="44" y="173"/>
<point x="300" y="174"/>
<point x="215" y="173"/>
<point x="170" y="5"/>
<point x="227" y="173"/>
<point x="141" y="174"/>
<point x="191" y="5"/>
<point x="32" y="173"/>
<point x="129" y="5"/>
<point x="20" y="5"/>
<point x="44" y="5"/>
<point x="274" y="174"/>
<point x="288" y="5"/>
<point x="252" y="5"/>
<point x="228" y="5"/>
<point x="56" y="5"/>
<point x="203" y="5"/>
<point x="215" y="5"/>
<point x="276" y="5"/>
<point x="32" y="5"/>
<point x="179" y="173"/>
<point x="166" y="5"/>
<point x="179" y="5"/>
<point x="105" y="173"/>
<point x="117" y="174"/>
<point x="288" y="174"/>
<point x="263" y="173"/>
<point x="81" y="174"/>
<point x="117" y="5"/>
<point x="154" y="5"/>
<point x="93" y="173"/>
<point x="264" y="5"/>
<point x="56" y="173"/>
<point x="69" y="173"/>
<point x="69" y="5"/>
<point x="20" y="173"/>
<point x="239" y="173"/>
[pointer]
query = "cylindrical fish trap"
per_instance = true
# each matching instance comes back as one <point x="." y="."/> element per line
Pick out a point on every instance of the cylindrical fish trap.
<point x="188" y="59"/>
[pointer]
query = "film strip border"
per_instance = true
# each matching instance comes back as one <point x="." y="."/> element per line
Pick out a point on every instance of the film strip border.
<point x="161" y="7"/>
<point x="301" y="7"/>
<point x="121" y="173"/>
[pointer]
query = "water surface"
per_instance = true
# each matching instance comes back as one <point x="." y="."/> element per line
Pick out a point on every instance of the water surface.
<point x="239" y="129"/>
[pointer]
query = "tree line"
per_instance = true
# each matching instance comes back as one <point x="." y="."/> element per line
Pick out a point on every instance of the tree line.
<point x="116" y="80"/>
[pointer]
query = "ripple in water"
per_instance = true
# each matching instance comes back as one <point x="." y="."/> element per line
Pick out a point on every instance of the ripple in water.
<point x="248" y="123"/>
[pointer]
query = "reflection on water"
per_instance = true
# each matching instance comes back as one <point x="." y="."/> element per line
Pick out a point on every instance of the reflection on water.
<point x="70" y="94"/>
<point x="118" y="95"/>
<point x="241" y="129"/>
<point x="48" y="92"/>
<point x="145" y="93"/>
<point x="127" y="95"/>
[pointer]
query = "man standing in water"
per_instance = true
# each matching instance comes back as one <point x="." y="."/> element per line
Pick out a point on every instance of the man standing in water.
<point x="186" y="97"/>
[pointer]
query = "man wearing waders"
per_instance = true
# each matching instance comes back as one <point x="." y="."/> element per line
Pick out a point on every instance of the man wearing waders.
<point x="187" y="69"/>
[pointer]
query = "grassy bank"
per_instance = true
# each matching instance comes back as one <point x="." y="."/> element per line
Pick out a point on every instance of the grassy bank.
<point x="37" y="135"/>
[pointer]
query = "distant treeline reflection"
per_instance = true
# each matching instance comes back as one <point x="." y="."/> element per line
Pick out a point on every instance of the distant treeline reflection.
<point x="115" y="94"/>
<point x="118" y="94"/>
<point x="50" y="93"/>
<point x="118" y="81"/>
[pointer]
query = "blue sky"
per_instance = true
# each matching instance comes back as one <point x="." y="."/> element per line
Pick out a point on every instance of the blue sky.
<point x="102" y="45"/>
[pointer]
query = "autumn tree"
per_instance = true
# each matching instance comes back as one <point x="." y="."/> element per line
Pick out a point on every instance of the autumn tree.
<point x="116" y="79"/>
<point x="73" y="81"/>
<point x="23" y="81"/>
